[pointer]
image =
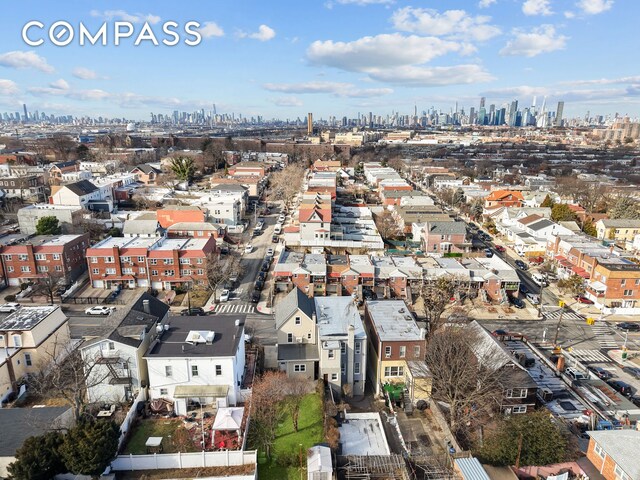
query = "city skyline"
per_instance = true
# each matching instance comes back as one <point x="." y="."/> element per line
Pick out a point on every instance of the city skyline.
<point x="340" y="57"/>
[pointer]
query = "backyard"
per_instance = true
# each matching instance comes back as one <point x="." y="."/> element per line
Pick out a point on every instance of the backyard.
<point x="288" y="441"/>
<point x="176" y="437"/>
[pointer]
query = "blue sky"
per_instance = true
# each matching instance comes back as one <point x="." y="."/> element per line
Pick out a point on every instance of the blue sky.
<point x="334" y="57"/>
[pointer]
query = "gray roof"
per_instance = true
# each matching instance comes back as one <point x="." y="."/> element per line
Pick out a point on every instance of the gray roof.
<point x="146" y="168"/>
<point x="139" y="226"/>
<point x="540" y="224"/>
<point x="83" y="187"/>
<point x="622" y="447"/>
<point x="471" y="469"/>
<point x="173" y="342"/>
<point x="621" y="223"/>
<point x="18" y="424"/>
<point x="26" y="318"/>
<point x="229" y="187"/>
<point x="393" y="321"/>
<point x="137" y="320"/>
<point x="489" y="350"/>
<point x="335" y="314"/>
<point x="296" y="299"/>
<point x="294" y="351"/>
<point x="447" y="228"/>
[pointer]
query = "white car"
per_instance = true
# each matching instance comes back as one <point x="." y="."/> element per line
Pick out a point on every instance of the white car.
<point x="282" y="218"/>
<point x="9" y="307"/>
<point x="224" y="296"/>
<point x="248" y="248"/>
<point x="99" y="310"/>
<point x="270" y="252"/>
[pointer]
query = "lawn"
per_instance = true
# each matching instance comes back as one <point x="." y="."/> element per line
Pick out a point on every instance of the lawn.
<point x="153" y="428"/>
<point x="309" y="433"/>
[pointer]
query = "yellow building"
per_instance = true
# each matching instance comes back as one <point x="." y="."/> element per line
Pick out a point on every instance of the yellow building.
<point x="620" y="230"/>
<point x="29" y="339"/>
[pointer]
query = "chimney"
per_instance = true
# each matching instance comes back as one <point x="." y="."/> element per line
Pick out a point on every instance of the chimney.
<point x="146" y="307"/>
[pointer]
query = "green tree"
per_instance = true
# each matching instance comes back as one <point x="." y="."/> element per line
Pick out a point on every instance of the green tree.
<point x="547" y="202"/>
<point x="561" y="212"/>
<point x="38" y="458"/>
<point x="543" y="443"/>
<point x="183" y="167"/>
<point x="624" y="207"/>
<point x="458" y="197"/>
<point x="574" y="285"/>
<point x="114" y="232"/>
<point x="89" y="447"/>
<point x="48" y="226"/>
<point x="476" y="209"/>
<point x="589" y="228"/>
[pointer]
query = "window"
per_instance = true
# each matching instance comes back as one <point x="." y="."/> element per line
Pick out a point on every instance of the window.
<point x="628" y="293"/>
<point x="17" y="341"/>
<point x="334" y="376"/>
<point x="110" y="271"/>
<point x="168" y="371"/>
<point x="23" y="258"/>
<point x="298" y="320"/>
<point x="126" y="259"/>
<point x="8" y="258"/>
<point x="169" y="273"/>
<point x="403" y="351"/>
<point x="598" y="450"/>
<point x="27" y="359"/>
<point x="343" y="348"/>
<point x="638" y="281"/>
<point x="200" y="271"/>
<point x="106" y="259"/>
<point x="620" y="473"/>
<point x="199" y="261"/>
<point x="40" y="256"/>
<point x="517" y="393"/>
<point x="153" y="261"/>
<point x="357" y="348"/>
<point x="142" y="270"/>
<point x="519" y="409"/>
<point x="185" y="261"/>
<point x="331" y="354"/>
<point x="43" y="268"/>
<point x="164" y="391"/>
<point x="300" y="368"/>
<point x="58" y="268"/>
<point x="10" y="269"/>
<point x="25" y="269"/>
<point x="127" y="271"/>
<point x="416" y="351"/>
<point x="343" y="369"/>
<point x="309" y="336"/>
<point x="95" y="271"/>
<point x="185" y="272"/>
<point x="393" y="371"/>
<point x="387" y="352"/>
<point x="356" y="368"/>
<point x="141" y="259"/>
<point x="289" y="337"/>
<point x="218" y="370"/>
<point x="154" y="272"/>
<point x="168" y="261"/>
<point x="194" y="370"/>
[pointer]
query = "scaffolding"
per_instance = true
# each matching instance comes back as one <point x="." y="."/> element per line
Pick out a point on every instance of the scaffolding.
<point x="431" y="467"/>
<point x="370" y="467"/>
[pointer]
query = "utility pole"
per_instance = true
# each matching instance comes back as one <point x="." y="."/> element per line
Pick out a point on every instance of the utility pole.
<point x="519" y="452"/>
<point x="540" y="304"/>
<point x="555" y="339"/>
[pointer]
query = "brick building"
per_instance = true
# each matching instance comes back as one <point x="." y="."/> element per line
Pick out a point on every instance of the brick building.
<point x="615" y="453"/>
<point x="174" y="214"/>
<point x="27" y="259"/>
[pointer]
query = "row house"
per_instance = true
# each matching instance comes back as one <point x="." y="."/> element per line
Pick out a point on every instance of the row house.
<point x="196" y="230"/>
<point x="394" y="276"/>
<point x="406" y="216"/>
<point x="445" y="237"/>
<point x="405" y="198"/>
<point x="253" y="183"/>
<point x="245" y="169"/>
<point x="27" y="259"/>
<point x="170" y="215"/>
<point x="28" y="188"/>
<point x="68" y="216"/>
<point x="147" y="174"/>
<point x="621" y="230"/>
<point x="322" y="338"/>
<point x="503" y="198"/>
<point x="324" y="183"/>
<point x="396" y="349"/>
<point x="314" y="217"/>
<point x="159" y="263"/>
<point x="83" y="194"/>
<point x="64" y="171"/>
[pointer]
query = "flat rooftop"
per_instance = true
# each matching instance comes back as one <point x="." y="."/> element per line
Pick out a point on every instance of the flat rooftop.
<point x="363" y="434"/>
<point x="25" y="318"/>
<point x="393" y="320"/>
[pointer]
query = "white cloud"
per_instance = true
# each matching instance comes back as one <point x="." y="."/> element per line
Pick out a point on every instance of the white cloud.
<point x="60" y="84"/>
<point x="85" y="95"/>
<point x="287" y="102"/>
<point x="125" y="16"/>
<point x="604" y="81"/>
<point x="537" y="7"/>
<point x="337" y="89"/>
<point x="84" y="73"/>
<point x="542" y="39"/>
<point x="594" y="7"/>
<point x="264" y="33"/>
<point x="569" y="14"/>
<point x="21" y="60"/>
<point x="452" y="23"/>
<point x="211" y="29"/>
<point x="433" y="76"/>
<point x="8" y="87"/>
<point x="382" y="51"/>
<point x="486" y="3"/>
<point x="360" y="3"/>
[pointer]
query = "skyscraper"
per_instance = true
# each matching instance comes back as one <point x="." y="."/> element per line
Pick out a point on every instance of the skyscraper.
<point x="26" y="115"/>
<point x="559" y="114"/>
<point x="309" y="123"/>
<point x="482" y="100"/>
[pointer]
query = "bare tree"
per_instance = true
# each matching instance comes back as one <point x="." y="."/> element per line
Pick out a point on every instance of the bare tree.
<point x="294" y="390"/>
<point x="436" y="296"/>
<point x="387" y="225"/>
<point x="48" y="284"/>
<point x="219" y="270"/>
<point x="266" y="411"/>
<point x="61" y="145"/>
<point x="285" y="184"/>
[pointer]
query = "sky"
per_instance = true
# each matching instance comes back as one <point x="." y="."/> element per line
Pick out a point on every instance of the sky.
<point x="284" y="58"/>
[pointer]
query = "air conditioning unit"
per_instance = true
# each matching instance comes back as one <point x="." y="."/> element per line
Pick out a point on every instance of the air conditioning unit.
<point x="299" y="339"/>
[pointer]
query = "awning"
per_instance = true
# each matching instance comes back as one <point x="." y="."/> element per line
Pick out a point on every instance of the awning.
<point x="121" y="277"/>
<point x="597" y="286"/>
<point x="581" y="271"/>
<point x="201" y="391"/>
<point x="228" y="418"/>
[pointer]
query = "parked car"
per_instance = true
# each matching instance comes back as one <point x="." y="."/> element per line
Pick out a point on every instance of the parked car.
<point x="533" y="298"/>
<point x="99" y="310"/>
<point x="265" y="266"/>
<point x="488" y="253"/>
<point x="633" y="371"/>
<point x="258" y="285"/>
<point x="9" y="307"/>
<point x="255" y="296"/>
<point x="473" y="226"/>
<point x="281" y="218"/>
<point x="516" y="302"/>
<point x="270" y="252"/>
<point x="539" y="280"/>
<point x="499" y="333"/>
<point x="521" y="265"/>
<point x="628" y="326"/>
<point x="500" y="248"/>
<point x="248" y="248"/>
<point x="523" y="288"/>
<point x="224" y="296"/>
<point x="584" y="300"/>
<point x="369" y="294"/>
<point x="262" y="276"/>
<point x="601" y="373"/>
<point x="622" y="387"/>
<point x="575" y="373"/>
<point x="275" y="239"/>
<point x="192" y="312"/>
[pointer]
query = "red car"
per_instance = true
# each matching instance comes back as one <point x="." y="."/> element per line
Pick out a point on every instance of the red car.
<point x="584" y="300"/>
<point x="500" y="248"/>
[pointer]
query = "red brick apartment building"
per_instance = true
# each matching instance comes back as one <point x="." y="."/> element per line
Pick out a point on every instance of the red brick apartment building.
<point x="26" y="259"/>
<point x="159" y="263"/>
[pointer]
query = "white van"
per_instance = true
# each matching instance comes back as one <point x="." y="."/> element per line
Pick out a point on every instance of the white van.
<point x="278" y="229"/>
<point x="538" y="279"/>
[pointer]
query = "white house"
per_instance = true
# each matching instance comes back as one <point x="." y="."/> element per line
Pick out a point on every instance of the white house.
<point x="117" y="368"/>
<point x="81" y="194"/>
<point x="198" y="361"/>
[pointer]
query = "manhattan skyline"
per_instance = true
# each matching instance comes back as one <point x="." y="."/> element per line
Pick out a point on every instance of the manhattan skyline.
<point x="283" y="59"/>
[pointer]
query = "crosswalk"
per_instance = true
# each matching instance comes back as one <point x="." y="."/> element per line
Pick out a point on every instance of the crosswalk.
<point x="604" y="335"/>
<point x="565" y="316"/>
<point x="235" y="308"/>
<point x="590" y="356"/>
